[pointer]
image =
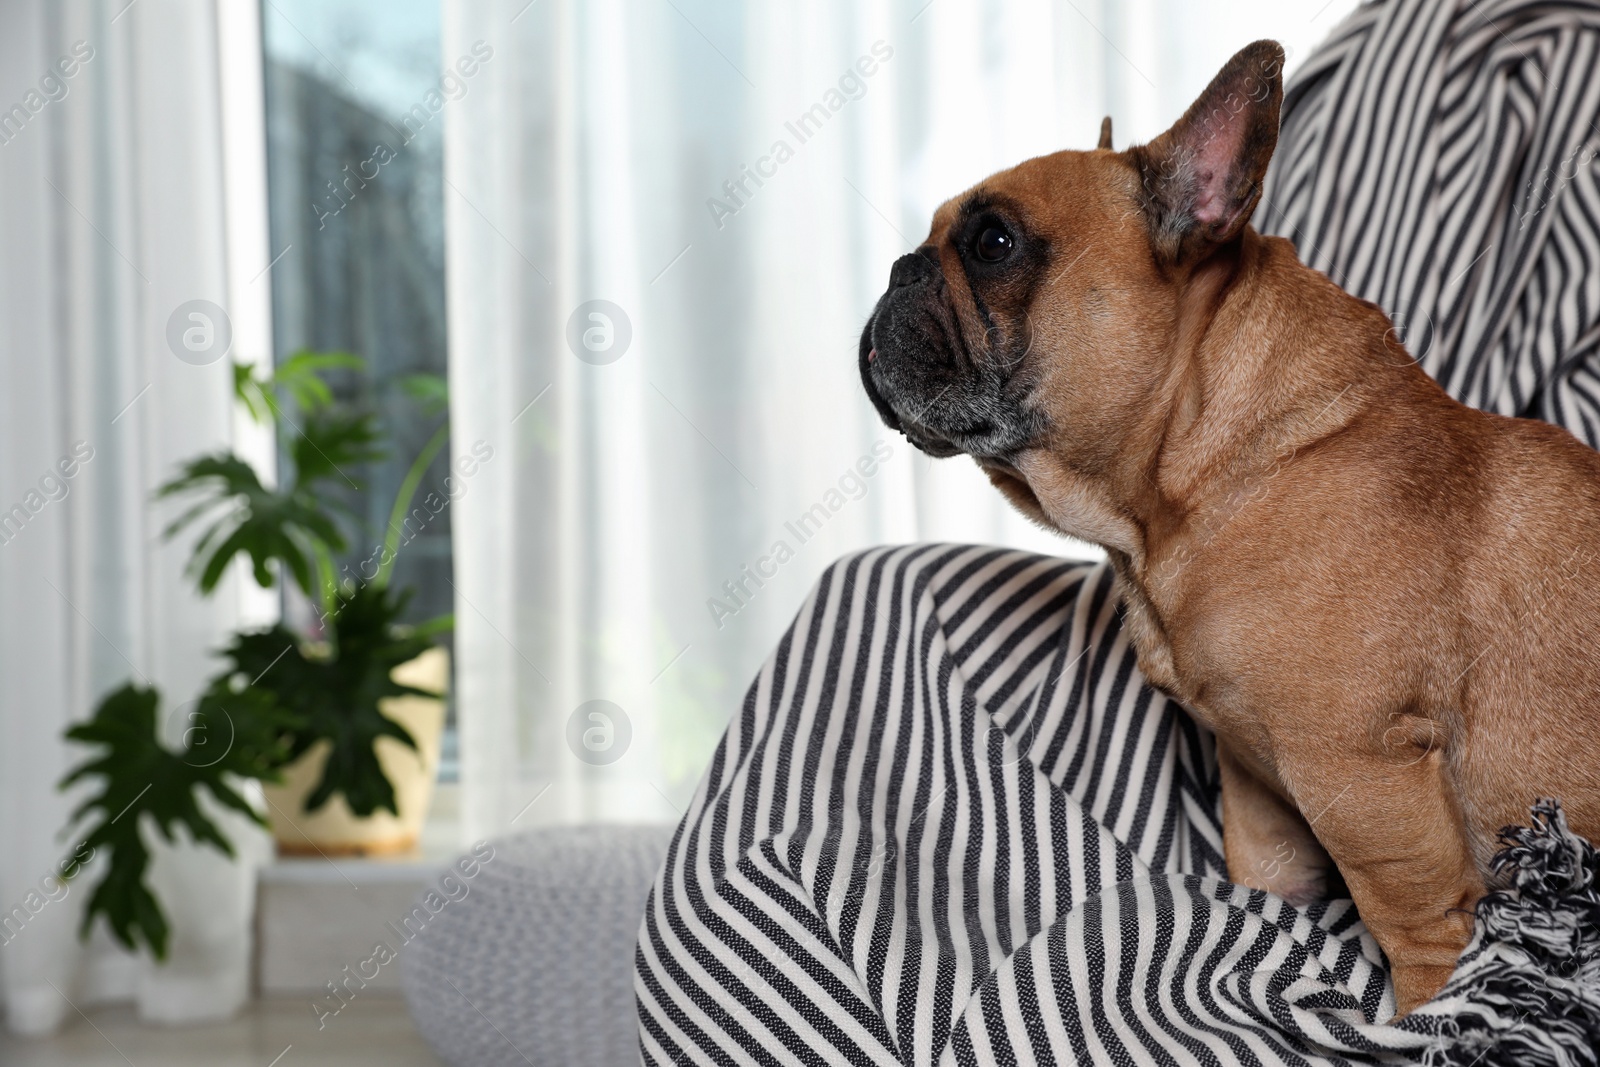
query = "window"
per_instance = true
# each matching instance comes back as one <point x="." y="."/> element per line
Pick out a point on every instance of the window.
<point x="355" y="180"/>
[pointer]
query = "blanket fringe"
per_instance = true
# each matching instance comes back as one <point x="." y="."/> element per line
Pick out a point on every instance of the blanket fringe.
<point x="1527" y="990"/>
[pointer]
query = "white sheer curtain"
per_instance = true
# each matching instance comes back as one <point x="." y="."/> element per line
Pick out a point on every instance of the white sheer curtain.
<point x="603" y="155"/>
<point x="114" y="185"/>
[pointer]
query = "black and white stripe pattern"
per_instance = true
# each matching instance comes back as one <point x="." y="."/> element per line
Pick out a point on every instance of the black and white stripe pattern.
<point x="952" y="824"/>
<point x="1437" y="158"/>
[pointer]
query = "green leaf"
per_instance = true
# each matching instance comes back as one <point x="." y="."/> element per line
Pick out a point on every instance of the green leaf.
<point x="431" y="391"/>
<point x="141" y="782"/>
<point x="439" y="624"/>
<point x="336" y="696"/>
<point x="301" y="376"/>
<point x="254" y="393"/>
<point x="331" y="443"/>
<point x="403" y="497"/>
<point x="246" y="517"/>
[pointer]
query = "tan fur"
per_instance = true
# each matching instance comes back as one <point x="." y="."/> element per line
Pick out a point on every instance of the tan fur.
<point x="1384" y="603"/>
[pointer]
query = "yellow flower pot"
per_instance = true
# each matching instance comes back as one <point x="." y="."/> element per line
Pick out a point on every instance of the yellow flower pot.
<point x="333" y="830"/>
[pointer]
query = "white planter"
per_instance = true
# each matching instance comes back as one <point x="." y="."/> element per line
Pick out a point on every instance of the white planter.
<point x="209" y="901"/>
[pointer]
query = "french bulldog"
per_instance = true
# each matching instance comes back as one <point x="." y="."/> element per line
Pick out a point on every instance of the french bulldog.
<point x="1385" y="604"/>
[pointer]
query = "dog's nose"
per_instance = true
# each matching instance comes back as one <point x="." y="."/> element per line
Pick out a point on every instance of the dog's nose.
<point x="911" y="268"/>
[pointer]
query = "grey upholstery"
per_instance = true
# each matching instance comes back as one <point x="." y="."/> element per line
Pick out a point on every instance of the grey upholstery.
<point x="536" y="962"/>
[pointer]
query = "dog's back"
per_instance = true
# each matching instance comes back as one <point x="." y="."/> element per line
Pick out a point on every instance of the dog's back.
<point x="1531" y="703"/>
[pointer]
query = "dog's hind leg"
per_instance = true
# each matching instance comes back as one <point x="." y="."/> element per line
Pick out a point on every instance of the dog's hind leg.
<point x="1394" y="830"/>
<point x="1268" y="843"/>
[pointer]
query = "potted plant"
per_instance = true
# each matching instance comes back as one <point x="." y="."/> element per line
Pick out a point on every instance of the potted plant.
<point x="341" y="723"/>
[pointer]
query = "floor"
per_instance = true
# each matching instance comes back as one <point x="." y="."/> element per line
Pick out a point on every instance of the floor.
<point x="272" y="1033"/>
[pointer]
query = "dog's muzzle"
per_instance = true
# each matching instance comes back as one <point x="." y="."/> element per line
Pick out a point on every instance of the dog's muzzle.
<point x="885" y="333"/>
<point x="923" y="378"/>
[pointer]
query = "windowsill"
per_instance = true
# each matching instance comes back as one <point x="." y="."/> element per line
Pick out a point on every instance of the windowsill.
<point x="439" y="847"/>
<point x="315" y="914"/>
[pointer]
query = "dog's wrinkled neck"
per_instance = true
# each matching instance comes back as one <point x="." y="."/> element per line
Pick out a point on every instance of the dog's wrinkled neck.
<point x="1260" y="374"/>
<point x="1138" y="482"/>
<point x="1191" y="379"/>
<point x="1260" y="368"/>
<point x="1254" y="374"/>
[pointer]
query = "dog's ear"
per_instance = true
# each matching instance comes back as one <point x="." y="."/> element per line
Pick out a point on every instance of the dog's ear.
<point x="1202" y="178"/>
<point x="1105" y="133"/>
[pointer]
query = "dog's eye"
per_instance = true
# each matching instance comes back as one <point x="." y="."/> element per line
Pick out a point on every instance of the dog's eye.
<point x="992" y="244"/>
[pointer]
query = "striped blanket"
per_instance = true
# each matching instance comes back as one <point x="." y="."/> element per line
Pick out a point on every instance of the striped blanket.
<point x="951" y="823"/>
